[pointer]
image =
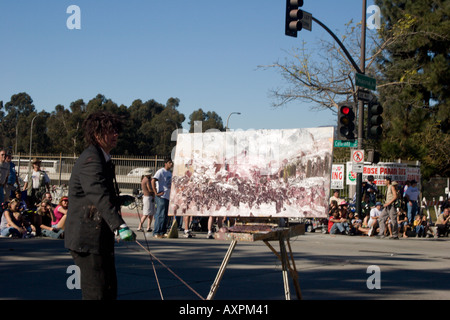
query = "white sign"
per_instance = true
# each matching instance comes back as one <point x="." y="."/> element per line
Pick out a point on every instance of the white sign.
<point x="350" y="176"/>
<point x="307" y="21"/>
<point x="358" y="156"/>
<point x="337" y="176"/>
<point x="358" y="167"/>
<point x="396" y="171"/>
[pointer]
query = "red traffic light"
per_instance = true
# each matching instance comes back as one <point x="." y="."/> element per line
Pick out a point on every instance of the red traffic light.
<point x="346" y="127"/>
<point x="345" y="110"/>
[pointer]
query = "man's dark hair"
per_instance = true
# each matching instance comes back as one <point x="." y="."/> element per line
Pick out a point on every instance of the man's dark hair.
<point x="100" y="123"/>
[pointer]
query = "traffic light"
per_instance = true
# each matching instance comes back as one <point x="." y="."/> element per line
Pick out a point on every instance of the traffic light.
<point x="346" y="122"/>
<point x="373" y="156"/>
<point x="293" y="17"/>
<point x="374" y="120"/>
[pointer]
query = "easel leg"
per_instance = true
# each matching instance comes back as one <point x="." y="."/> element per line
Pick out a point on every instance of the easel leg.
<point x="293" y="270"/>
<point x="294" y="273"/>
<point x="222" y="268"/>
<point x="284" y="265"/>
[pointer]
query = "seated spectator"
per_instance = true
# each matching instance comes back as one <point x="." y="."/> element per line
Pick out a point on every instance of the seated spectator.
<point x="364" y="228"/>
<point x="340" y="221"/>
<point x="22" y="203"/>
<point x="332" y="229"/>
<point x="60" y="212"/>
<point x="402" y="221"/>
<point x="343" y="209"/>
<point x="420" y="225"/>
<point x="48" y="196"/>
<point x="12" y="223"/>
<point x="373" y="219"/>
<point x="443" y="223"/>
<point x="355" y="223"/>
<point x="333" y="206"/>
<point x="44" y="218"/>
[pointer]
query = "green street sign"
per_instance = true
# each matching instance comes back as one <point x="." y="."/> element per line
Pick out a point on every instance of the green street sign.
<point x="346" y="144"/>
<point x="365" y="81"/>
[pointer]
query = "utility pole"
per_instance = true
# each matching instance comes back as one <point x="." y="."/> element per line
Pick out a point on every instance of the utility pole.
<point x="361" y="107"/>
<point x="293" y="24"/>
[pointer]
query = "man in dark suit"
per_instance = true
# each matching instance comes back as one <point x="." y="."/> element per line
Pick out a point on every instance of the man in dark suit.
<point x="94" y="209"/>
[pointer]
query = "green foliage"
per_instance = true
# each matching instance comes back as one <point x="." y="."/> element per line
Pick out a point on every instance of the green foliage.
<point x="149" y="126"/>
<point x="415" y="74"/>
<point x="210" y="120"/>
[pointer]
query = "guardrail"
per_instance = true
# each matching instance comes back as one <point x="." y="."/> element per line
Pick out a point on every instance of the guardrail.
<point x="59" y="168"/>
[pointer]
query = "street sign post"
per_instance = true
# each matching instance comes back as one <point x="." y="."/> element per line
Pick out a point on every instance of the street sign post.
<point x="358" y="156"/>
<point x="358" y="161"/>
<point x="346" y="144"/>
<point x="364" y="95"/>
<point x="365" y="81"/>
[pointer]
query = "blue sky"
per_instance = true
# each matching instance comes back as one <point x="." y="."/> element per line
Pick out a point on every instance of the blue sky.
<point x="206" y="53"/>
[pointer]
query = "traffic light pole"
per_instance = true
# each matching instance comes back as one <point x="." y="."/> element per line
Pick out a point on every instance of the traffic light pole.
<point x="360" y="69"/>
<point x="361" y="109"/>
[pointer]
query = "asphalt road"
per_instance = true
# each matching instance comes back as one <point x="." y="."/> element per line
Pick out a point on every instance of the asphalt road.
<point x="329" y="268"/>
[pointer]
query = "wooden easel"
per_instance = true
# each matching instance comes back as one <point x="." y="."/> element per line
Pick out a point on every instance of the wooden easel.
<point x="281" y="235"/>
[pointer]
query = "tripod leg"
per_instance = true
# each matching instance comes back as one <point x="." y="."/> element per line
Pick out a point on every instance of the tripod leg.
<point x="222" y="268"/>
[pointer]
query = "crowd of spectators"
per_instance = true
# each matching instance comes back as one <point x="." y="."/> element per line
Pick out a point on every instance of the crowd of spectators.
<point x="21" y="219"/>
<point x="410" y="220"/>
<point x="28" y="211"/>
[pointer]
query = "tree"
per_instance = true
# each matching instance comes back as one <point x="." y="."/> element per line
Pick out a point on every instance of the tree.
<point x="16" y="122"/>
<point x="414" y="74"/>
<point x="209" y="120"/>
<point x="149" y="127"/>
<point x="409" y="57"/>
<point x="321" y="74"/>
<point x="64" y="129"/>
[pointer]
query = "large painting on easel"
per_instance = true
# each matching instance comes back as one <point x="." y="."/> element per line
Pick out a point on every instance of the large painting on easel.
<point x="258" y="173"/>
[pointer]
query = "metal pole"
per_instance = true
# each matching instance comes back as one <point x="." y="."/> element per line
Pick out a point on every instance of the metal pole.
<point x="31" y="141"/>
<point x="226" y="128"/>
<point x="361" y="107"/>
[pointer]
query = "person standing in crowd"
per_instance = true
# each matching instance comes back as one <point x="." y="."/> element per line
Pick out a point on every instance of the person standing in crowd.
<point x="389" y="210"/>
<point x="148" y="202"/>
<point x="335" y="197"/>
<point x="40" y="183"/>
<point x="12" y="178"/>
<point x="161" y="184"/>
<point x="4" y="173"/>
<point x="412" y="197"/>
<point x="94" y="214"/>
<point x="371" y="189"/>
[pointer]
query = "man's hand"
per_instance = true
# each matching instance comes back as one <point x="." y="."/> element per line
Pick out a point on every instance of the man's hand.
<point x="126" y="234"/>
<point x="126" y="200"/>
